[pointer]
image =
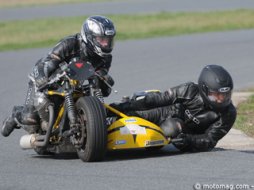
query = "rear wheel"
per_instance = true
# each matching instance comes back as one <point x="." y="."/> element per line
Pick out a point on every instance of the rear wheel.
<point x="93" y="132"/>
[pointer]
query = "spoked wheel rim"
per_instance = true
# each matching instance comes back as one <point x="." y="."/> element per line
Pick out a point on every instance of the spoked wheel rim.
<point x="81" y="137"/>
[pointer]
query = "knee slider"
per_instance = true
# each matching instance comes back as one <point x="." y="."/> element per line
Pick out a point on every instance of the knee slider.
<point x="172" y="127"/>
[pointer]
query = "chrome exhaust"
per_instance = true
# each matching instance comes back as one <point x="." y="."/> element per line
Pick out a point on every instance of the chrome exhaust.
<point x="36" y="140"/>
<point x="27" y="141"/>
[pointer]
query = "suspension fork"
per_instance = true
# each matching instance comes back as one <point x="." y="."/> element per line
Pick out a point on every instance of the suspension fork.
<point x="70" y="106"/>
<point x="94" y="90"/>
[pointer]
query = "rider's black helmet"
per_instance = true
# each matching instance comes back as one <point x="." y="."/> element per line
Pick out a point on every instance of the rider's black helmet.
<point x="98" y="34"/>
<point x="215" y="85"/>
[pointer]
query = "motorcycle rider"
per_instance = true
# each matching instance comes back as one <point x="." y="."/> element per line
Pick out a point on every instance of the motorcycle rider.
<point x="93" y="44"/>
<point x="195" y="116"/>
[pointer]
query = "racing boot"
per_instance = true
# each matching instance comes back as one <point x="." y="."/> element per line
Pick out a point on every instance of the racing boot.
<point x="9" y="123"/>
<point x="29" y="119"/>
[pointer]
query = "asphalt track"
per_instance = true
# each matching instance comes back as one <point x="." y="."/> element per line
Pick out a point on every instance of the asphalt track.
<point x="122" y="7"/>
<point x="137" y="65"/>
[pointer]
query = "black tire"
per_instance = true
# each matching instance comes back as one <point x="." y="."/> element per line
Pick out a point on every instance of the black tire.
<point x="92" y="117"/>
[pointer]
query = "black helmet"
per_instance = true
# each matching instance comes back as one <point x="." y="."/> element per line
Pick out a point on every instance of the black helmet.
<point x="98" y="34"/>
<point x="215" y="85"/>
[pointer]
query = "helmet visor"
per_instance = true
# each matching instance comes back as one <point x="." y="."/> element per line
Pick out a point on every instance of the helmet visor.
<point x="106" y="43"/>
<point x="219" y="97"/>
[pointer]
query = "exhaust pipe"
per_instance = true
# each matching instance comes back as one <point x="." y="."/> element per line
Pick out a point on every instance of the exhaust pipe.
<point x="36" y="140"/>
<point x="27" y="141"/>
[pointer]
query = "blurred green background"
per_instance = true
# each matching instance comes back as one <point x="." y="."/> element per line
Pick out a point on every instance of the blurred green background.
<point x="47" y="32"/>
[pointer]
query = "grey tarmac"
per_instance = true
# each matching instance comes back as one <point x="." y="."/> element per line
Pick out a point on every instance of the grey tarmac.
<point x="137" y="65"/>
<point x="122" y="7"/>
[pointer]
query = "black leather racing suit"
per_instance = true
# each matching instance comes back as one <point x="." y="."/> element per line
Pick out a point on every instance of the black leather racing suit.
<point x="67" y="49"/>
<point x="204" y="126"/>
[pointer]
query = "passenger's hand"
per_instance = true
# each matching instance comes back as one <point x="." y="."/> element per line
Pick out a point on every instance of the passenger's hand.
<point x="121" y="106"/>
<point x="182" y="141"/>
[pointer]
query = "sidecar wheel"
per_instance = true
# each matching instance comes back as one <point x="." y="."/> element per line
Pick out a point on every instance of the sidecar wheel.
<point x="93" y="138"/>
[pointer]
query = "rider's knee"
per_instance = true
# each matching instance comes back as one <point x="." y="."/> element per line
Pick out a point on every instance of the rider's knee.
<point x="172" y="127"/>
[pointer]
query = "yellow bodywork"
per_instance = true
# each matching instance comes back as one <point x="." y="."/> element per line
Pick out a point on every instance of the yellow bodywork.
<point x="128" y="132"/>
<point x="133" y="132"/>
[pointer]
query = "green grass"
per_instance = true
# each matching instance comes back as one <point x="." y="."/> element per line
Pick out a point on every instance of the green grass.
<point x="245" y="117"/>
<point x="46" y="32"/>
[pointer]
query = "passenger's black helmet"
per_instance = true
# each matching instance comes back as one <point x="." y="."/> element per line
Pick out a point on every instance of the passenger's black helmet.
<point x="215" y="85"/>
<point x="98" y="34"/>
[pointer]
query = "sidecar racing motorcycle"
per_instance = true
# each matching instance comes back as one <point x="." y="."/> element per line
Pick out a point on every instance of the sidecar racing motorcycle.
<point x="73" y="118"/>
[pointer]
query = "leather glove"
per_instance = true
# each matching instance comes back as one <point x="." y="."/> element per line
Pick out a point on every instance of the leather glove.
<point x="103" y="74"/>
<point x="121" y="106"/>
<point x="106" y="90"/>
<point x="104" y="77"/>
<point x="132" y="105"/>
<point x="109" y="80"/>
<point x="182" y="142"/>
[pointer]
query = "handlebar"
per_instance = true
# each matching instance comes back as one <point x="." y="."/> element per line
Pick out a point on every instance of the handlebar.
<point x="61" y="72"/>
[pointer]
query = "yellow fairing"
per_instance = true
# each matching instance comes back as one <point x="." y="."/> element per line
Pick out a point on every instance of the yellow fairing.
<point x="134" y="132"/>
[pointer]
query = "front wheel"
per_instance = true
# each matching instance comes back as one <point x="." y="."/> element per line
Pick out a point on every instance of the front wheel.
<point x="93" y="137"/>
